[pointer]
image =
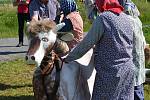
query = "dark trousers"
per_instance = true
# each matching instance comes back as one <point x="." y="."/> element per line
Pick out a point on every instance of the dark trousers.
<point x="139" y="92"/>
<point x="22" y="18"/>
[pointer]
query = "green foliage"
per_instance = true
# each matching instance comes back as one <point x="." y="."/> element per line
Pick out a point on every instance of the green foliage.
<point x="86" y="22"/>
<point x="144" y="11"/>
<point x="147" y="34"/>
<point x="3" y="2"/>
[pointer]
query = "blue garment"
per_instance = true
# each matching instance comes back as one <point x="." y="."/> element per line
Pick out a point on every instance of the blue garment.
<point x="114" y="61"/>
<point x="91" y="9"/>
<point x="68" y="6"/>
<point x="123" y="2"/>
<point x="130" y="8"/>
<point x="139" y="92"/>
<point x="42" y="10"/>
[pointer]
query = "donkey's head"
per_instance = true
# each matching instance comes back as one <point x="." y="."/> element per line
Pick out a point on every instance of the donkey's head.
<point x="43" y="36"/>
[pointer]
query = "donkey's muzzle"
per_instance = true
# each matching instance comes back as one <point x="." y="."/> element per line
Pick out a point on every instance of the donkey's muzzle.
<point x="30" y="59"/>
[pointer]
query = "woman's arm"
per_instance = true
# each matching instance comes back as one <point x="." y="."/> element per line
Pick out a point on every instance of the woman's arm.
<point x="92" y="37"/>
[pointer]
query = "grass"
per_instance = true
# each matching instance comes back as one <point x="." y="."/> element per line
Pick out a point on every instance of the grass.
<point x="8" y="22"/>
<point x="147" y="34"/>
<point x="144" y="11"/>
<point x="147" y="92"/>
<point x="16" y="80"/>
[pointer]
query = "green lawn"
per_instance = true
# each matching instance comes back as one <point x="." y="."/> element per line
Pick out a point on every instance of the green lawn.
<point x="8" y="22"/>
<point x="16" y="81"/>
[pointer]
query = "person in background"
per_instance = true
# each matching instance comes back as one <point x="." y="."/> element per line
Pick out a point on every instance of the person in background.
<point x="139" y="46"/>
<point x="23" y="16"/>
<point x="112" y="34"/>
<point x="91" y="9"/>
<point x="41" y="9"/>
<point x="73" y="22"/>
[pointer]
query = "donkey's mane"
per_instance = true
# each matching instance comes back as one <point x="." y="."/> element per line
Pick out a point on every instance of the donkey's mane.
<point x="40" y="26"/>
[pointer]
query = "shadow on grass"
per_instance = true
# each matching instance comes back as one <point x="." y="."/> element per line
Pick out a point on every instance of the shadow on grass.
<point x="10" y="46"/>
<point x="4" y="87"/>
<point x="7" y="53"/>
<point x="6" y="46"/>
<point x="16" y="97"/>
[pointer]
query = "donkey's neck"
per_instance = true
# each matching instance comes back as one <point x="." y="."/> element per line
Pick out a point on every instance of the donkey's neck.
<point x="61" y="48"/>
<point x="47" y="63"/>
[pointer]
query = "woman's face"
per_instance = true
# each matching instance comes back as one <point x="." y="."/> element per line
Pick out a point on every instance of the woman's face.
<point x="44" y="1"/>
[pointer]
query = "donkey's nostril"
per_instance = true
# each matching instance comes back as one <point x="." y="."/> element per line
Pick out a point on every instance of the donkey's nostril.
<point x="26" y="58"/>
<point x="32" y="57"/>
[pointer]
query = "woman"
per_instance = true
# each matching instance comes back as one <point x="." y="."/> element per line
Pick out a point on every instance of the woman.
<point x="138" y="51"/>
<point x="41" y="9"/>
<point x="73" y="21"/>
<point x="23" y="16"/>
<point x="112" y="35"/>
<point x="91" y="9"/>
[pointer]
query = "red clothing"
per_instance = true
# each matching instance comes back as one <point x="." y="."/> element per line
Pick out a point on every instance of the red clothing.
<point x="23" y="8"/>
<point x="111" y="5"/>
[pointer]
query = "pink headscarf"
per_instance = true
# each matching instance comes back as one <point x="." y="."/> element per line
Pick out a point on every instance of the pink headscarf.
<point x="109" y="5"/>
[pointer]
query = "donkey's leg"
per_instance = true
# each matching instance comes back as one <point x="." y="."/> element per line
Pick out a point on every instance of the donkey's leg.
<point x="38" y="87"/>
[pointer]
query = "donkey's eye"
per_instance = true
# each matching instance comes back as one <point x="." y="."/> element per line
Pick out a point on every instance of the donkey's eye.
<point x="45" y="39"/>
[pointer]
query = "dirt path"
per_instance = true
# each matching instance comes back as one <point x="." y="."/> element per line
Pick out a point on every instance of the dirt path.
<point x="9" y="51"/>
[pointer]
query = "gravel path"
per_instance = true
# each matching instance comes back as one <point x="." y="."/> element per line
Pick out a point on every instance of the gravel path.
<point x="9" y="51"/>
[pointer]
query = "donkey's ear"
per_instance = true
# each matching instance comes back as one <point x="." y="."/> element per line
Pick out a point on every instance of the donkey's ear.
<point x="59" y="26"/>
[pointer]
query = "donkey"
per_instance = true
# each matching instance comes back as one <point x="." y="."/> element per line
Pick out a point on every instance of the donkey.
<point x="52" y="80"/>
